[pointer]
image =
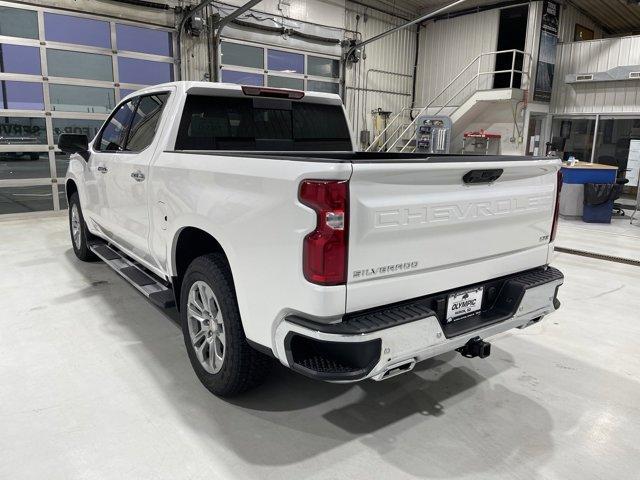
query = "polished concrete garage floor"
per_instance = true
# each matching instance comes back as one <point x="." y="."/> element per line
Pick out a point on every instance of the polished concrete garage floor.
<point x="95" y="384"/>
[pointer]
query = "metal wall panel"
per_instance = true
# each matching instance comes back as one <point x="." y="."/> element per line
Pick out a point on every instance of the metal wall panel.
<point x="569" y="18"/>
<point x="367" y="88"/>
<point x="590" y="57"/>
<point x="448" y="46"/>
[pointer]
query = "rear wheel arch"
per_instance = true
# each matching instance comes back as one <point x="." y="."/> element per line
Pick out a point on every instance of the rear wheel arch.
<point x="190" y="243"/>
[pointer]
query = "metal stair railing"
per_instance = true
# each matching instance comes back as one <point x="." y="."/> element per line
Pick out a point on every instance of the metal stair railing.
<point x="421" y="110"/>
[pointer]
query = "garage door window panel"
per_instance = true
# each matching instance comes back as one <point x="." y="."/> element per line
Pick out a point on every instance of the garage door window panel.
<point x="78" y="126"/>
<point x="144" y="72"/>
<point x="242" y="55"/>
<point x="286" y="62"/>
<point x="77" y="30"/>
<point x="286" y="82"/>
<point x="243" y="78"/>
<point x="16" y="22"/>
<point x="26" y="199"/>
<point x="21" y="165"/>
<point x="89" y="66"/>
<point x="144" y="40"/>
<point x="73" y="98"/>
<point x="21" y="95"/>
<point x="19" y="59"/>
<point x="23" y="131"/>
<point x="324" y="87"/>
<point x="323" y="67"/>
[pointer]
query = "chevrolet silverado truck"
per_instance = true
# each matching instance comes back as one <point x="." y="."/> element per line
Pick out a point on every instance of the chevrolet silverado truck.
<point x="248" y="210"/>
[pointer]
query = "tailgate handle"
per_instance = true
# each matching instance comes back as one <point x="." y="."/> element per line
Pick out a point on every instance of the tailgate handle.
<point x="482" y="176"/>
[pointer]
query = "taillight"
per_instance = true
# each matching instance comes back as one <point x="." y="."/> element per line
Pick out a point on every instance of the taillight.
<point x="556" y="213"/>
<point x="324" y="257"/>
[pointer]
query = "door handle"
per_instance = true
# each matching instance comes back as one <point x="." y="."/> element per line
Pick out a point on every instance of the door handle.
<point x="138" y="176"/>
<point x="103" y="169"/>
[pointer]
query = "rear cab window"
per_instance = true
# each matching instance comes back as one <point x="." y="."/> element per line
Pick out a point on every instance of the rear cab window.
<point x="265" y="124"/>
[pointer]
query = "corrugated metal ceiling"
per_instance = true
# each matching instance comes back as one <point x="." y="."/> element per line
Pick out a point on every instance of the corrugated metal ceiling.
<point x="615" y="16"/>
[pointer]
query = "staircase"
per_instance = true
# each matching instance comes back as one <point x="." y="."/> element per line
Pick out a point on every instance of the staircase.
<point x="463" y="104"/>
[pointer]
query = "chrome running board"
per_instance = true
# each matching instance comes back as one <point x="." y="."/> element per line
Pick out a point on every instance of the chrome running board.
<point x="146" y="283"/>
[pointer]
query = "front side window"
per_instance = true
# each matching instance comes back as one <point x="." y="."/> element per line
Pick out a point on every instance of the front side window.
<point x="145" y="121"/>
<point x="114" y="135"/>
<point x="227" y="123"/>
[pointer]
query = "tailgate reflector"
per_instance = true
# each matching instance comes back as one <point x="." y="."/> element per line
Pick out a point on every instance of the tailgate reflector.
<point x="324" y="257"/>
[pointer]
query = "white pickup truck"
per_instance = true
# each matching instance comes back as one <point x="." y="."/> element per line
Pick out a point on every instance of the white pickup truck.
<point x="248" y="210"/>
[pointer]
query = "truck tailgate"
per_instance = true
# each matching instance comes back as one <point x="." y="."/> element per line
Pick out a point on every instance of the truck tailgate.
<point x="418" y="228"/>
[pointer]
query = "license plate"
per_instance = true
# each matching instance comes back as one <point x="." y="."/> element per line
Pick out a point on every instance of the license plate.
<point x="464" y="304"/>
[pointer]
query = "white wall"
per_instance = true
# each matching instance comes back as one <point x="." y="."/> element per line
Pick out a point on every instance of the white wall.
<point x="448" y="46"/>
<point x="395" y="53"/>
<point x="569" y="17"/>
<point x="602" y="97"/>
<point x="325" y="12"/>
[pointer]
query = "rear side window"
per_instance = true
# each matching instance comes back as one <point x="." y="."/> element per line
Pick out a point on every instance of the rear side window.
<point x="145" y="121"/>
<point x="266" y="124"/>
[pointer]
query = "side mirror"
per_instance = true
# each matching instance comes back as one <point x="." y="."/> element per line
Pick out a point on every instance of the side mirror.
<point x="74" y="143"/>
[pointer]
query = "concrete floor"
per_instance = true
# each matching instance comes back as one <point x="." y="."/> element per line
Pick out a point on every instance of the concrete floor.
<point x="619" y="238"/>
<point x="95" y="384"/>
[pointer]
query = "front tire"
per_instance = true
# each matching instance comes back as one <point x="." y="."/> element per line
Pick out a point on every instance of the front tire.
<point x="213" y="334"/>
<point x="78" y="231"/>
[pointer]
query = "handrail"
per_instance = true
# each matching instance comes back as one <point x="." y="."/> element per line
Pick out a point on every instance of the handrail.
<point x="477" y="77"/>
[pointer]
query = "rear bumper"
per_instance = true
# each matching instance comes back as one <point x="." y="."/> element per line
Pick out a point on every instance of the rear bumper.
<point x="377" y="342"/>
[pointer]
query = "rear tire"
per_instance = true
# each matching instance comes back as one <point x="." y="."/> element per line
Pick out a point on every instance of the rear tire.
<point x="213" y="334"/>
<point x="78" y="230"/>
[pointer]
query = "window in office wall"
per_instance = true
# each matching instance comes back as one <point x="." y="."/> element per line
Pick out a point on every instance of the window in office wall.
<point x="614" y="140"/>
<point x="573" y="137"/>
<point x="79" y="89"/>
